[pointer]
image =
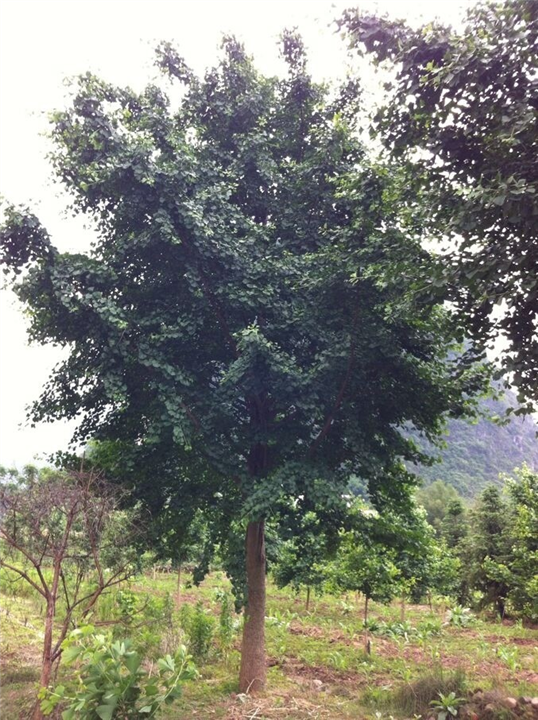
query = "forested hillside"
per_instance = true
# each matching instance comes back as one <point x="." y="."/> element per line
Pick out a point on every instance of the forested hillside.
<point x="476" y="454"/>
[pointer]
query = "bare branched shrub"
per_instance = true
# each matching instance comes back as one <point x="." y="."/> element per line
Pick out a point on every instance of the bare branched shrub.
<point x="63" y="534"/>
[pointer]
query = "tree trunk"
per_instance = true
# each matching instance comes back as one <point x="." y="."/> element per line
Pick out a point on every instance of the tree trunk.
<point x="430" y="603"/>
<point x="178" y="589"/>
<point x="252" y="675"/>
<point x="367" y="643"/>
<point x="402" y="609"/>
<point x="46" y="666"/>
<point x="307" y="598"/>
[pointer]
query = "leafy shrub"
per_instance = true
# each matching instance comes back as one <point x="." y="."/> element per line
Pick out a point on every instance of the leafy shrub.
<point x="430" y="626"/>
<point x="460" y="616"/>
<point x="127" y="604"/>
<point x="372" y="625"/>
<point x="159" y="609"/>
<point x="199" y="627"/>
<point x="145" y="617"/>
<point x="228" y="624"/>
<point x="111" y="682"/>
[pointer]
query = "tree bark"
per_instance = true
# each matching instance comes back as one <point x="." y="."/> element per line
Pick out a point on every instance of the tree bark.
<point x="307" y="598"/>
<point x="46" y="666"/>
<point x="253" y="671"/>
<point x="367" y="643"/>
<point x="178" y="591"/>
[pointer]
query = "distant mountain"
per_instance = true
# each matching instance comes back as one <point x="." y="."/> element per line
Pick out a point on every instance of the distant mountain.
<point x="477" y="453"/>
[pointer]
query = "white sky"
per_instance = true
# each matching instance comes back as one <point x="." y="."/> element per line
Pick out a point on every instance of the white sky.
<point x="44" y="41"/>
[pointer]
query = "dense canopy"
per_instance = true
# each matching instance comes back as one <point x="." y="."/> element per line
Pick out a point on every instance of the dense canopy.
<point x="251" y="304"/>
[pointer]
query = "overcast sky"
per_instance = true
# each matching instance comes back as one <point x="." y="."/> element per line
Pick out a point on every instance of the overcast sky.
<point x="44" y="41"/>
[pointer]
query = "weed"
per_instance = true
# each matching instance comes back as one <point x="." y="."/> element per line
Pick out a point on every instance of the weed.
<point x="346" y="608"/>
<point x="509" y="656"/>
<point x="337" y="660"/>
<point x="127" y="604"/>
<point x="406" y="673"/>
<point x="328" y="641"/>
<point x="372" y="625"/>
<point x="460" y="616"/>
<point x="377" y="696"/>
<point x="430" y="626"/>
<point x="277" y="620"/>
<point x="228" y="624"/>
<point x="199" y="627"/>
<point x="416" y="697"/>
<point x="446" y="705"/>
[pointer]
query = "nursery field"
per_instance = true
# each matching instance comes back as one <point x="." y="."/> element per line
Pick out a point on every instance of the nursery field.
<point x="319" y="664"/>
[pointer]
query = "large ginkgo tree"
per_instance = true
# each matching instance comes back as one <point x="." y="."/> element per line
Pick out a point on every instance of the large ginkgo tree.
<point x="249" y="310"/>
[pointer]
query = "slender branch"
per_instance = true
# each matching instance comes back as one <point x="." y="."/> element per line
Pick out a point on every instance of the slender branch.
<point x="44" y="551"/>
<point x="94" y="596"/>
<point x="25" y="576"/>
<point x="192" y="417"/>
<point x="10" y="540"/>
<point x="66" y="593"/>
<point x="42" y="578"/>
<point x="95" y="554"/>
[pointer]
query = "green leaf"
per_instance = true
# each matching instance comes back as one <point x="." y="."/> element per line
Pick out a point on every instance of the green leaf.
<point x="72" y="653"/>
<point x="106" y="712"/>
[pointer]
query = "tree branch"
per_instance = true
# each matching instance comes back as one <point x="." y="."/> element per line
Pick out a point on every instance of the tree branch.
<point x="25" y="576"/>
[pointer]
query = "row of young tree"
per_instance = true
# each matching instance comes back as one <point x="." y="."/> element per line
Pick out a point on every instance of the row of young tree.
<point x="485" y="556"/>
<point x="260" y="317"/>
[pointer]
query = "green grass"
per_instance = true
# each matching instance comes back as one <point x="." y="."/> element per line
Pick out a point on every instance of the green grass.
<point x="318" y="664"/>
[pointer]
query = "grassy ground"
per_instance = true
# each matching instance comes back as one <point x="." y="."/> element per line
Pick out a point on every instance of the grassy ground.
<point x="318" y="664"/>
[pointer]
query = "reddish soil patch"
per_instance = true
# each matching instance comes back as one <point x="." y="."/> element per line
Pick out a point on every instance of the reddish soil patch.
<point x="300" y="672"/>
<point x="528" y="676"/>
<point x="331" y="636"/>
<point x="525" y="642"/>
<point x="308" y="630"/>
